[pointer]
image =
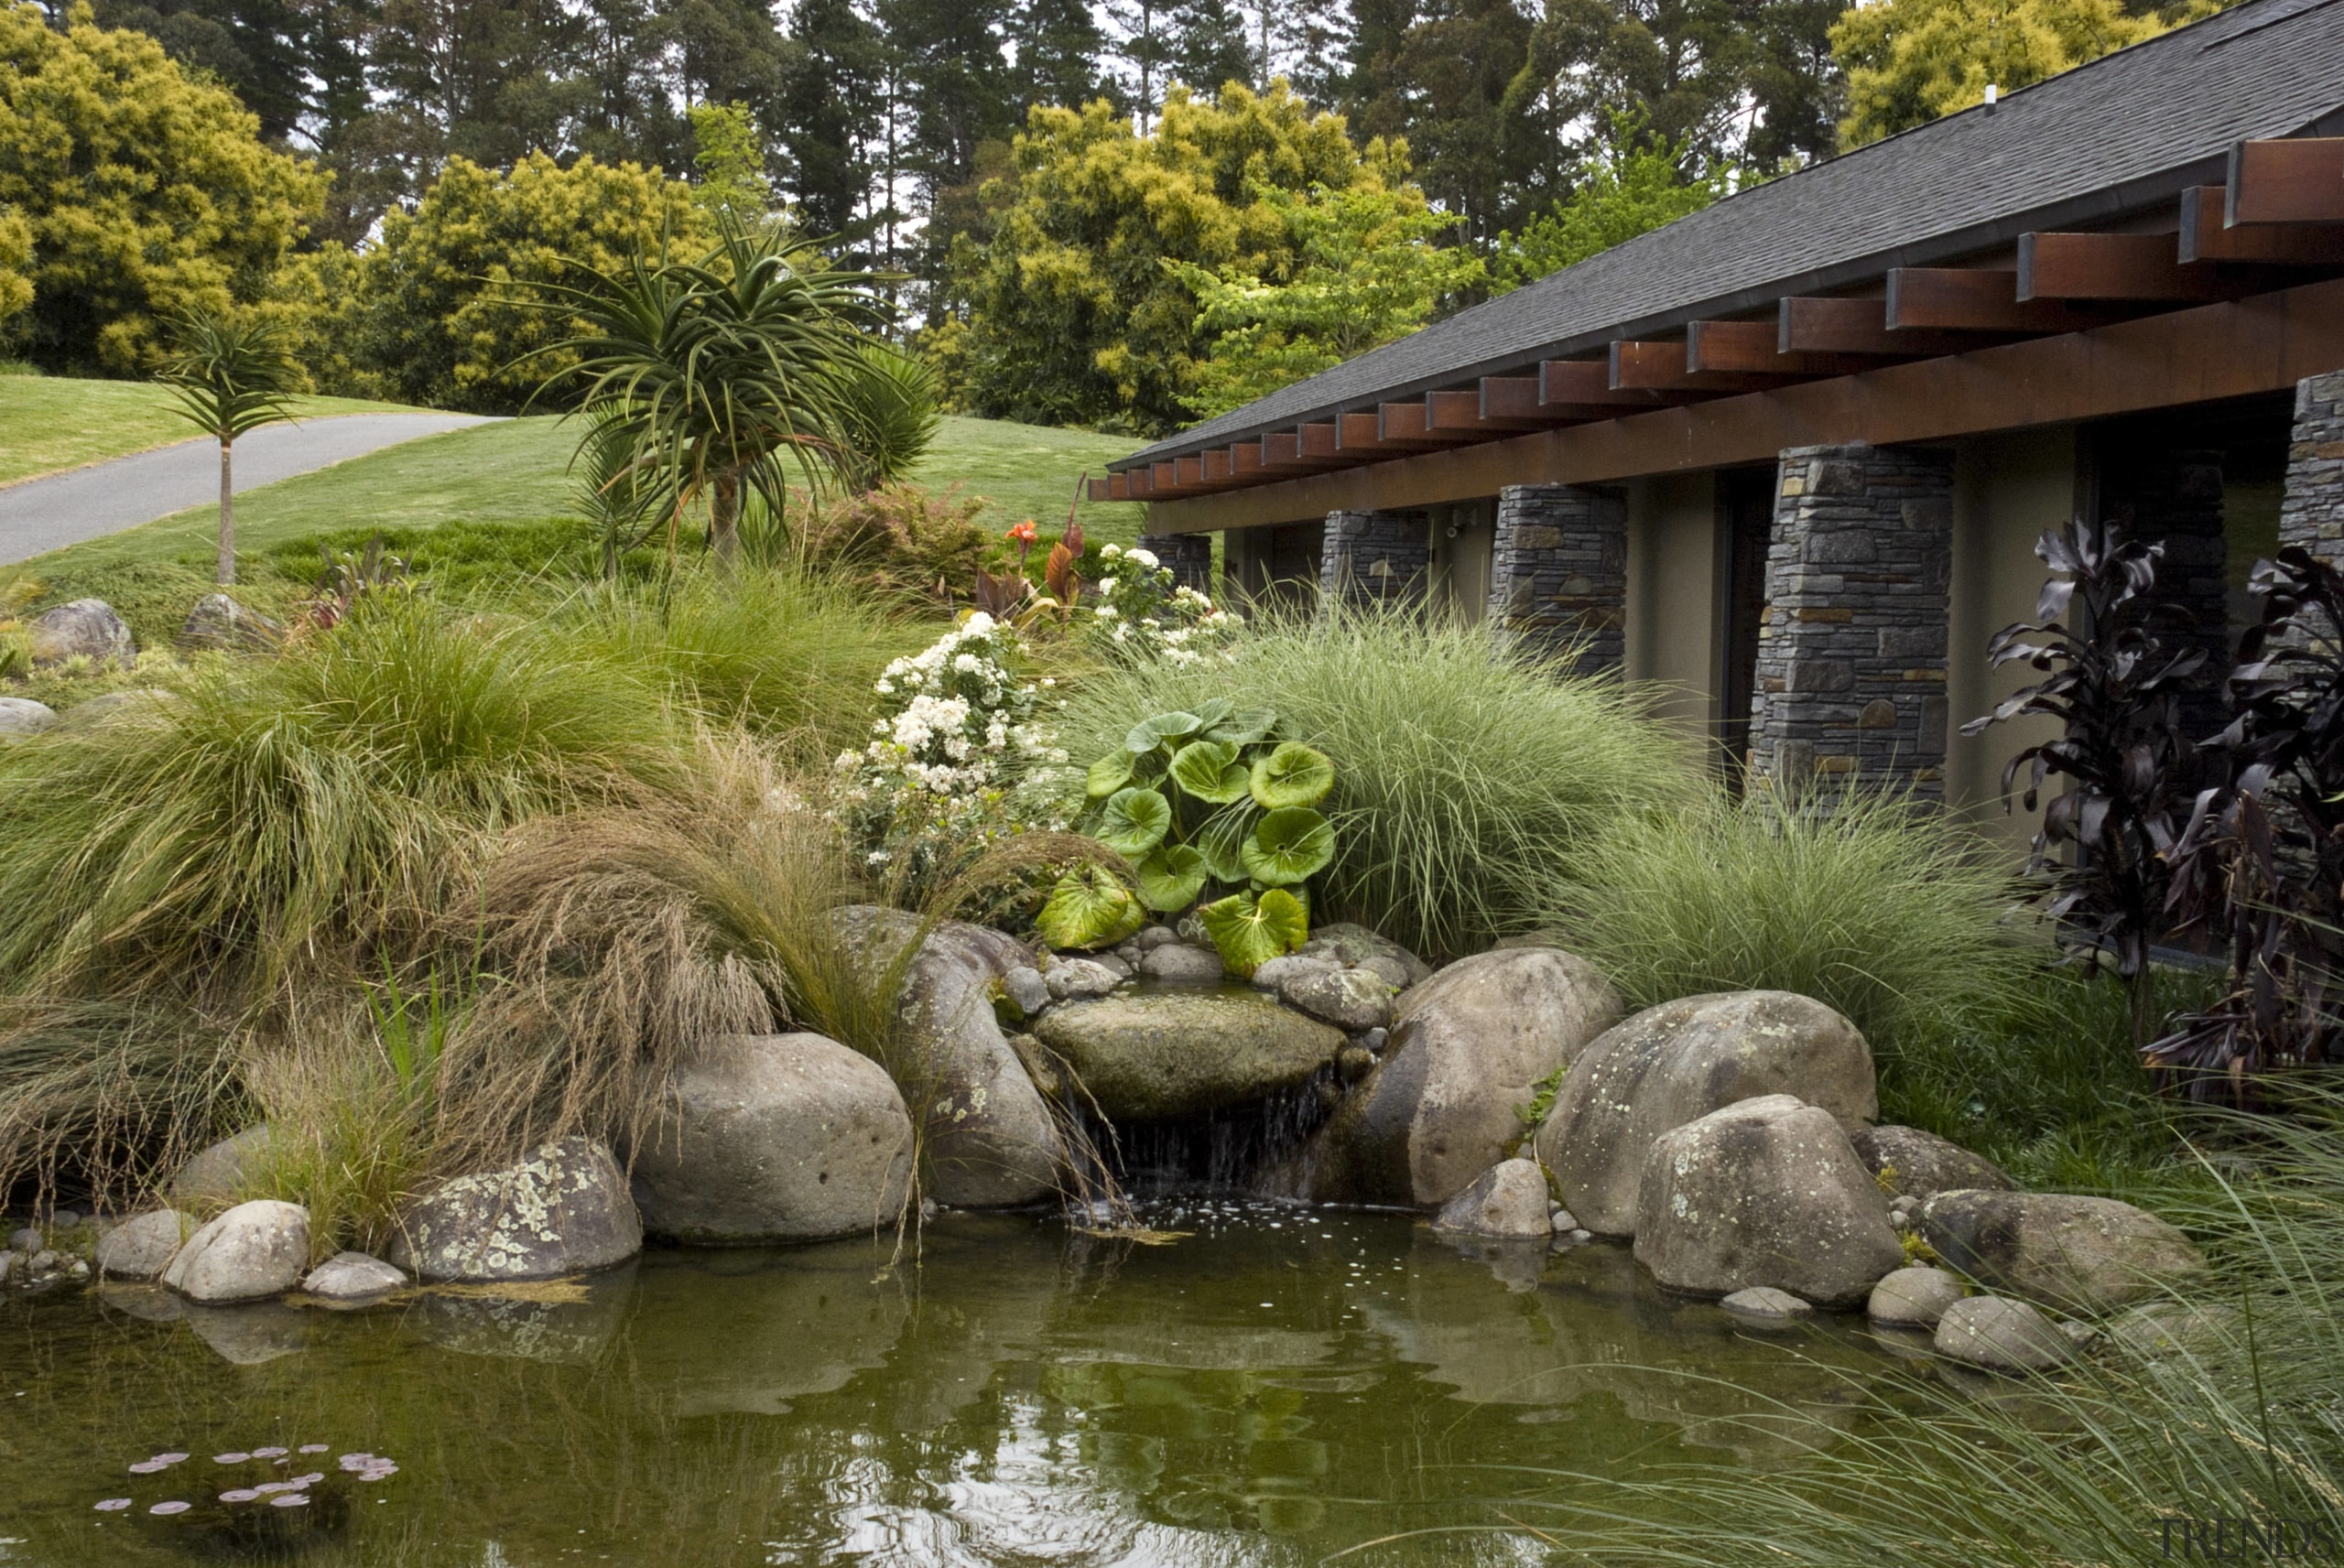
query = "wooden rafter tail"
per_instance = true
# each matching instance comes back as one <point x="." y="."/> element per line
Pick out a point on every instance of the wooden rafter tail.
<point x="1638" y="366"/>
<point x="1753" y="348"/>
<point x="1101" y="490"/>
<point x="2116" y="266"/>
<point x="1586" y="383"/>
<point x="1820" y="325"/>
<point x="1978" y="300"/>
<point x="1409" y="424"/>
<point x="2297" y="179"/>
<point x="1466" y="412"/>
<point x="1282" y="453"/>
<point x="2205" y="237"/>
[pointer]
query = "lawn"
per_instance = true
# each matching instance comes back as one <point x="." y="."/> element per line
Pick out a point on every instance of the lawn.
<point x="56" y="422"/>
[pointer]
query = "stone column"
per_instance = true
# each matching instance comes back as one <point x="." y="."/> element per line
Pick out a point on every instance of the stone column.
<point x="2311" y="513"/>
<point x="1372" y="559"/>
<point x="1187" y="557"/>
<point x="1558" y="573"/>
<point x="1851" y="646"/>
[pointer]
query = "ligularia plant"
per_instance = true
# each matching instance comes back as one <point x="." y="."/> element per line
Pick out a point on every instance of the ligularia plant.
<point x="1142" y="613"/>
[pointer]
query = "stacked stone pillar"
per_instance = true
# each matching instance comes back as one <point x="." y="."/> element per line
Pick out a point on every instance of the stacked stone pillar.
<point x="2311" y="512"/>
<point x="1851" y="651"/>
<point x="1375" y="558"/>
<point x="1187" y="557"/>
<point x="1558" y="574"/>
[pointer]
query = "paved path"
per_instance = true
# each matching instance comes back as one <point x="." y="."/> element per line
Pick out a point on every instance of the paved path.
<point x="42" y="514"/>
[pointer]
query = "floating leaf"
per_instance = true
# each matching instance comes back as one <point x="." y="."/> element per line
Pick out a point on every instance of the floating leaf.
<point x="1108" y="775"/>
<point x="1223" y="838"/>
<point x="1294" y="774"/>
<point x="1170" y="879"/>
<point x="1243" y="726"/>
<point x="1208" y="770"/>
<point x="1291" y="845"/>
<point x="1089" y="908"/>
<point x="1250" y="932"/>
<point x="1134" y="821"/>
<point x="1150" y="733"/>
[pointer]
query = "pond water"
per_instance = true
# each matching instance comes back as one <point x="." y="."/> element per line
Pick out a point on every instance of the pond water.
<point x="1271" y="1386"/>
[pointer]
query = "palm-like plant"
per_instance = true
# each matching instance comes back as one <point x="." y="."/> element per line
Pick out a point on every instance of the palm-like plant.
<point x="231" y="375"/>
<point x="720" y="372"/>
<point x="890" y="418"/>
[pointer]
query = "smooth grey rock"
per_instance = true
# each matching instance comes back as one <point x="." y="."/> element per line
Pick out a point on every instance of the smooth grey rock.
<point x="21" y="716"/>
<point x="218" y="622"/>
<point x="1173" y="1054"/>
<point x="1375" y="1040"/>
<point x="1178" y="961"/>
<point x="64" y="1218"/>
<point x="775" y="1138"/>
<point x="1913" y="1298"/>
<point x="1277" y="972"/>
<point x="1563" y="1219"/>
<point x="1154" y="936"/>
<point x="1507" y="1199"/>
<point x="1351" y="1000"/>
<point x="2079" y="1254"/>
<point x="219" y="1173"/>
<point x="142" y="1247"/>
<point x="1078" y="980"/>
<point x="1764" y="1191"/>
<point x="25" y="1240"/>
<point x="1467" y="1047"/>
<point x="1390" y="971"/>
<point x="2169" y="1328"/>
<point x="1766" y="1302"/>
<point x="1914" y="1164"/>
<point x="8" y="1261"/>
<point x="250" y="1333"/>
<point x="87" y="628"/>
<point x="258" y="1249"/>
<point x="47" y="1261"/>
<point x="563" y="1208"/>
<point x="1027" y="990"/>
<point x="2001" y="1335"/>
<point x="1672" y="1064"/>
<point x="149" y="1303"/>
<point x="353" y="1277"/>
<point x="1350" y="945"/>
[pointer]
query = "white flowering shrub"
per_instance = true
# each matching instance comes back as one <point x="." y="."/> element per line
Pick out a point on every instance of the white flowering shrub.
<point x="1142" y="614"/>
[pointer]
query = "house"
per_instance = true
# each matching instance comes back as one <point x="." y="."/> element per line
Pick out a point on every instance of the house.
<point x="1785" y="461"/>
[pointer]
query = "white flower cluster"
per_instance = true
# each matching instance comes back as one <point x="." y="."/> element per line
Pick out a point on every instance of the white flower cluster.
<point x="1143" y="614"/>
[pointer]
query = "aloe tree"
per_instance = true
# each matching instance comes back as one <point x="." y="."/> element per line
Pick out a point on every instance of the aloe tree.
<point x="720" y="372"/>
<point x="231" y="375"/>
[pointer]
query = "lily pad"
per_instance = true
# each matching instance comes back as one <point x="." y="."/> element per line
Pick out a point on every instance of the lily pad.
<point x="1250" y="932"/>
<point x="1150" y="733"/>
<point x="1108" y="775"/>
<point x="1134" y="821"/>
<point x="1294" y="774"/>
<point x="1288" y="846"/>
<point x="1208" y="770"/>
<point x="1171" y="878"/>
<point x="1089" y="907"/>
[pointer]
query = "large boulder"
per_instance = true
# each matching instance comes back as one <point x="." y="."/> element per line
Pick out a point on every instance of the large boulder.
<point x="1764" y="1191"/>
<point x="775" y="1138"/>
<point x="1173" y="1054"/>
<point x="256" y="1250"/>
<point x="2081" y="1254"/>
<point x="218" y="622"/>
<point x="1508" y="1199"/>
<point x="1467" y="1046"/>
<point x="21" y="716"/>
<point x="988" y="1139"/>
<point x="1355" y="1001"/>
<point x="562" y="1208"/>
<point x="85" y="629"/>
<point x="1672" y="1064"/>
<point x="142" y="1245"/>
<point x="1913" y="1163"/>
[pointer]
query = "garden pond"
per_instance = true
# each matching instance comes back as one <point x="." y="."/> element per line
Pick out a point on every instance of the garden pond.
<point x="1250" y="1383"/>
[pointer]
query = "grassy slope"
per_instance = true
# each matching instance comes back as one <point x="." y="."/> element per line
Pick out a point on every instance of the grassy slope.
<point x="54" y="422"/>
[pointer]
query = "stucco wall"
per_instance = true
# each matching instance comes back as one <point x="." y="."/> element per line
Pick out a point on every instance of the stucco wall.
<point x="1675" y="632"/>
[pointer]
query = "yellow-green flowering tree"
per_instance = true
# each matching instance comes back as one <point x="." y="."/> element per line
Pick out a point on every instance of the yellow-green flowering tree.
<point x="15" y="266"/>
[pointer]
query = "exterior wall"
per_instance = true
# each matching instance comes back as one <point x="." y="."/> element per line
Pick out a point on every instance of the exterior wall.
<point x="2171" y="494"/>
<point x="1188" y="557"/>
<point x="1276" y="566"/>
<point x="2311" y="513"/>
<point x="1375" y="558"/>
<point x="1852" y="657"/>
<point x="2008" y="491"/>
<point x="1674" y="610"/>
<point x="1559" y="572"/>
<point x="1462" y="537"/>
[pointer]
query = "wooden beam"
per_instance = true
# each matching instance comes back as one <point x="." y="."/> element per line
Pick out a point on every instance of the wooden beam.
<point x="1964" y="299"/>
<point x="1163" y="477"/>
<point x="1586" y="383"/>
<point x="1189" y="471"/>
<point x="1099" y="489"/>
<point x="1217" y="464"/>
<point x="1320" y="441"/>
<point x="2205" y="237"/>
<point x="2299" y="179"/>
<point x="1245" y="461"/>
<point x="1745" y="348"/>
<point x="1661" y="367"/>
<point x="2116" y="266"/>
<point x="1410" y="424"/>
<point x="1462" y="412"/>
<point x="1363" y="434"/>
<point x="1282" y="450"/>
<point x="1813" y="325"/>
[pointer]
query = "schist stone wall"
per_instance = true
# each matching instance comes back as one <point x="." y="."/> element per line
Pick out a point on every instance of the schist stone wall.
<point x="2312" y="512"/>
<point x="1187" y="557"/>
<point x="1559" y="572"/>
<point x="1852" y="652"/>
<point x="1375" y="558"/>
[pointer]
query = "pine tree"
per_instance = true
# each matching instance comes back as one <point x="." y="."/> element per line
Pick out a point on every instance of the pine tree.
<point x="955" y="82"/>
<point x="1210" y="45"/>
<point x="257" y="47"/>
<point x="1142" y="45"/>
<point x="831" y="104"/>
<point x="1056" y="46"/>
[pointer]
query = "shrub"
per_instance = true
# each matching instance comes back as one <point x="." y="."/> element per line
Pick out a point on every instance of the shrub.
<point x="1465" y="782"/>
<point x="896" y="542"/>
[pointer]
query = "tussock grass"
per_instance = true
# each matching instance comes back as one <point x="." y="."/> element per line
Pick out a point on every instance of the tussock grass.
<point x="1463" y="782"/>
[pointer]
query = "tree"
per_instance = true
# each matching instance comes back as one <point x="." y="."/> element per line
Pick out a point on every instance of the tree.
<point x="1364" y="268"/>
<point x="1446" y="86"/>
<point x="1143" y="42"/>
<point x="1056" y="45"/>
<point x="258" y="49"/>
<point x="831" y="100"/>
<point x="1622" y="191"/>
<point x="731" y="162"/>
<point x="16" y="265"/>
<point x="1210" y="45"/>
<point x="229" y="375"/>
<point x="146" y="194"/>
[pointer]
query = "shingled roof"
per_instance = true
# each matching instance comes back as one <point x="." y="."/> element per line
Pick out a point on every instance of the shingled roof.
<point x="2122" y="133"/>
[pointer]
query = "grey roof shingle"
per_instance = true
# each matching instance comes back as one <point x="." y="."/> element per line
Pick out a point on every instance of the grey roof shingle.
<point x="2115" y="134"/>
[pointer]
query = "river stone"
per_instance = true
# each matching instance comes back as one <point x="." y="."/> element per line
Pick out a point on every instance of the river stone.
<point x="987" y="1139"/>
<point x="25" y="1240"/>
<point x="1671" y="1063"/>
<point x="1923" y="1164"/>
<point x="2001" y="1335"/>
<point x="1913" y="1298"/>
<point x="218" y="622"/>
<point x="85" y="629"/>
<point x="1764" y="1191"/>
<point x="1351" y="1000"/>
<point x="216" y="1174"/>
<point x="1467" y="1047"/>
<point x="1079" y="980"/>
<point x="563" y="1208"/>
<point x="353" y="1277"/>
<point x="259" y="1249"/>
<point x="775" y="1138"/>
<point x="1173" y="1055"/>
<point x="1179" y="961"/>
<point x="1275" y="973"/>
<point x="1025" y="988"/>
<point x="21" y="716"/>
<point x="1507" y="1199"/>
<point x="1351" y="945"/>
<point x="1767" y="1303"/>
<point x="142" y="1245"/>
<point x="2079" y="1254"/>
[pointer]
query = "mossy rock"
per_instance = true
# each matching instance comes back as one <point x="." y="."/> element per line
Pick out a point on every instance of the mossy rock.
<point x="1168" y="1056"/>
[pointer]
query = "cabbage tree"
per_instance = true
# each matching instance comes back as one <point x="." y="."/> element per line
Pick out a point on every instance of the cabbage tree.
<point x="231" y="375"/>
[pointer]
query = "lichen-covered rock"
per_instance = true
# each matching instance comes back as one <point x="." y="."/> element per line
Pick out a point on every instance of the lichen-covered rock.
<point x="2175" y="1327"/>
<point x="21" y="716"/>
<point x="1349" y="946"/>
<point x="1467" y="1047"/>
<point x="85" y="629"/>
<point x="142" y="1247"/>
<point x="775" y="1138"/>
<point x="562" y="1209"/>
<point x="1079" y="979"/>
<point x="353" y="1277"/>
<point x="1175" y="1054"/>
<point x="1919" y="1164"/>
<point x="1507" y="1199"/>
<point x="259" y="1249"/>
<point x="1764" y="1191"/>
<point x="2001" y="1335"/>
<point x="1026" y="991"/>
<point x="1353" y="1001"/>
<point x="218" y="622"/>
<point x="2079" y="1254"/>
<point x="217" y="1174"/>
<point x="1276" y="972"/>
<point x="1672" y="1064"/>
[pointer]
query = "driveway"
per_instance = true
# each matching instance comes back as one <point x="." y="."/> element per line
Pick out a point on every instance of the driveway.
<point x="42" y="514"/>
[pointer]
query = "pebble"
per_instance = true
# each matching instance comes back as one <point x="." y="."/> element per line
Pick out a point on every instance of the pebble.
<point x="1155" y="936"/>
<point x="1766" y="1302"/>
<point x="1564" y="1220"/>
<point x="1373" y="1040"/>
<point x="64" y="1218"/>
<point x="46" y="1262"/>
<point x="26" y="1240"/>
<point x="1026" y="987"/>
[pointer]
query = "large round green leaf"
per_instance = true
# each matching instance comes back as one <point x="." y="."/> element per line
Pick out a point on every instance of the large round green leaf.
<point x="1150" y="733"/>
<point x="1243" y="726"/>
<point x="1291" y="845"/>
<point x="1170" y="879"/>
<point x="1108" y="775"/>
<point x="1294" y="774"/>
<point x="1213" y="711"/>
<point x="1089" y="908"/>
<point x="1223" y="840"/>
<point x="1250" y="932"/>
<point x="1132" y="822"/>
<point x="1207" y="770"/>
